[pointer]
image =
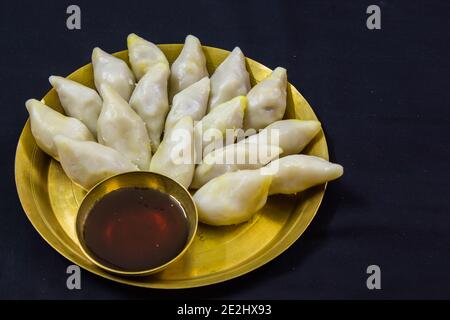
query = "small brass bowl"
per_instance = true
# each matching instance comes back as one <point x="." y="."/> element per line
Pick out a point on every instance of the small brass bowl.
<point x="138" y="179"/>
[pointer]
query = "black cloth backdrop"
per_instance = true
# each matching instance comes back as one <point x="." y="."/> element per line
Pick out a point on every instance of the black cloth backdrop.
<point x="383" y="100"/>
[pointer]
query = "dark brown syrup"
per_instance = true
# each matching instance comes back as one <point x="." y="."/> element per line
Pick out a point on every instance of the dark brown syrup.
<point x="136" y="229"/>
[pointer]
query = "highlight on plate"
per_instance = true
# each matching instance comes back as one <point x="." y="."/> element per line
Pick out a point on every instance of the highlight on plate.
<point x="226" y="141"/>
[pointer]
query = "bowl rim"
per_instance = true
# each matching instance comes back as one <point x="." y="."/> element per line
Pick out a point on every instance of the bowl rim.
<point x="144" y="272"/>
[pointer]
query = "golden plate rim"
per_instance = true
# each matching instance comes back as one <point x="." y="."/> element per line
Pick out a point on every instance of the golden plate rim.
<point x="295" y="231"/>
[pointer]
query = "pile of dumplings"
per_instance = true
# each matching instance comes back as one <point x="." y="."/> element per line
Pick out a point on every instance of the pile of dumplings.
<point x="130" y="121"/>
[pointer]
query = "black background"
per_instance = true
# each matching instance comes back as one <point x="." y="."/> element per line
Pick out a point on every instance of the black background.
<point x="382" y="97"/>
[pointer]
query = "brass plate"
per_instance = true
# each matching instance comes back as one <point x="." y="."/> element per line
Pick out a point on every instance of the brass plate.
<point x="217" y="254"/>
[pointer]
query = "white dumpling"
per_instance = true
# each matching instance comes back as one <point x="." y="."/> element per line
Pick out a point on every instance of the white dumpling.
<point x="232" y="198"/>
<point x="231" y="158"/>
<point x="210" y="132"/>
<point x="230" y="79"/>
<point x="189" y="67"/>
<point x="266" y="101"/>
<point x="293" y="135"/>
<point x="120" y="128"/>
<point x="175" y="155"/>
<point x="299" y="172"/>
<point x="78" y="101"/>
<point x="47" y="123"/>
<point x="113" y="71"/>
<point x="86" y="163"/>
<point x="191" y="102"/>
<point x="150" y="101"/>
<point x="143" y="55"/>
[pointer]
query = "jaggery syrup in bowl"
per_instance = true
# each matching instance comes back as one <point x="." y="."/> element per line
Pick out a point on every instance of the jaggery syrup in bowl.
<point x="135" y="229"/>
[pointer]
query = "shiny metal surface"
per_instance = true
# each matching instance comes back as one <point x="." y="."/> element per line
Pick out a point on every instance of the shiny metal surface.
<point x="216" y="254"/>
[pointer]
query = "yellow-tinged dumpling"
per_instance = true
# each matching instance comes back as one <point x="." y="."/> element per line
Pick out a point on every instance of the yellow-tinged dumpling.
<point x="175" y="155"/>
<point x="78" y="101"/>
<point x="113" y="71"/>
<point x="293" y="135"/>
<point x="232" y="198"/>
<point x="299" y="172"/>
<point x="86" y="163"/>
<point x="231" y="158"/>
<point x="120" y="128"/>
<point x="266" y="101"/>
<point x="189" y="67"/>
<point x="47" y="123"/>
<point x="229" y="80"/>
<point x="150" y="101"/>
<point x="211" y="130"/>
<point x="191" y="102"/>
<point x="143" y="55"/>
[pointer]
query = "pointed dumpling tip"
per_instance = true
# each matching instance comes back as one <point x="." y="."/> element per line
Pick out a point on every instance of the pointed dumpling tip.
<point x="280" y="69"/>
<point x="109" y="93"/>
<point x="160" y="67"/>
<point x="204" y="80"/>
<point x="97" y="53"/>
<point x="335" y="170"/>
<point x="30" y="103"/>
<point x="243" y="101"/>
<point x="340" y="169"/>
<point x="314" y="125"/>
<point x="191" y="38"/>
<point x="237" y="54"/>
<point x="54" y="80"/>
<point x="279" y="72"/>
<point x="237" y="50"/>
<point x="133" y="38"/>
<point x="331" y="170"/>
<point x="186" y="120"/>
